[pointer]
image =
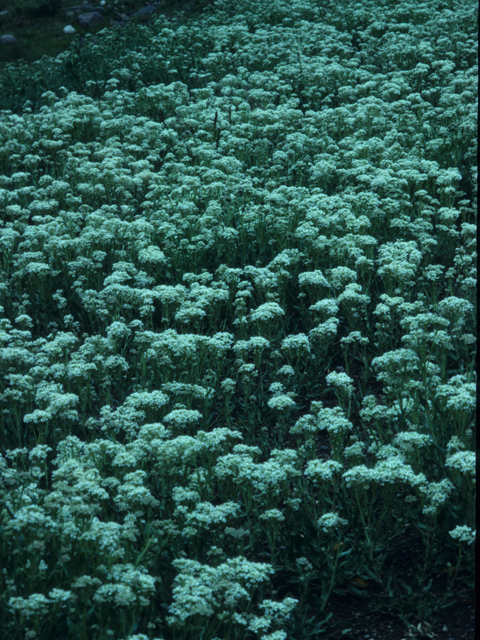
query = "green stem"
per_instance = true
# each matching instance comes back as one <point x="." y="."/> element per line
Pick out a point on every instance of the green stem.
<point x="332" y="579"/>
<point x="365" y="527"/>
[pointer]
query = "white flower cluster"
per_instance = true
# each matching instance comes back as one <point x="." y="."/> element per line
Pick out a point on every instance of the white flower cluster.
<point x="322" y="471"/>
<point x="272" y="515"/>
<point x="411" y="441"/>
<point x="267" y="479"/>
<point x="296" y="346"/>
<point x="182" y="418"/>
<point x="224" y="594"/>
<point x="126" y="587"/>
<point x="306" y="425"/>
<point x="281" y="403"/>
<point x="463" y="461"/>
<point x="341" y="382"/>
<point x="436" y="495"/>
<point x="392" y="471"/>
<point x="463" y="534"/>
<point x="330" y="521"/>
<point x="205" y="514"/>
<point x="201" y="590"/>
<point x="355" y="452"/>
<point x="267" y="312"/>
<point x="334" y="420"/>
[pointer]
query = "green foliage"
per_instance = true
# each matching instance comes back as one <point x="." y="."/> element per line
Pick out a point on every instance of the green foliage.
<point x="237" y="323"/>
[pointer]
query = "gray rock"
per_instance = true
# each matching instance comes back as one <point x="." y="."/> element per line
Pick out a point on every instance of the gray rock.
<point x="121" y="19"/>
<point x="89" y="19"/>
<point x="145" y="12"/>
<point x="8" y="39"/>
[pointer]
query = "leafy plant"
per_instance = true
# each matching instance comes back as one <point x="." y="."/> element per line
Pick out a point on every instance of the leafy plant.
<point x="237" y="323"/>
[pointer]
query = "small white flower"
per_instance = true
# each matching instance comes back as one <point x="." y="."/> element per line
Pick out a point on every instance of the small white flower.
<point x="182" y="418"/>
<point x="35" y="605"/>
<point x="287" y="370"/>
<point x="276" y="635"/>
<point x="463" y="534"/>
<point x="330" y="521"/>
<point x="354" y="337"/>
<point x="60" y="595"/>
<point x="327" y="307"/>
<point x="267" y="312"/>
<point x="296" y="345"/>
<point x="313" y="278"/>
<point x="276" y="388"/>
<point x="307" y="424"/>
<point x="436" y="494"/>
<point x="247" y="372"/>
<point x="325" y="331"/>
<point x="463" y="461"/>
<point x="273" y="515"/>
<point x="281" y="403"/>
<point x="324" y="471"/>
<point x="228" y="386"/>
<point x="340" y="382"/>
<point x="340" y="276"/>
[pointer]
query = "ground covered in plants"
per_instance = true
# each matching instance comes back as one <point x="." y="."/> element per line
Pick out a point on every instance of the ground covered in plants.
<point x="237" y="323"/>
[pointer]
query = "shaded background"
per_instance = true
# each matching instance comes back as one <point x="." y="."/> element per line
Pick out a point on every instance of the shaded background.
<point x="38" y="25"/>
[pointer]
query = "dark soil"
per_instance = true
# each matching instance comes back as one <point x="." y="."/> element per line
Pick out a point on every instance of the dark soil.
<point x="356" y="622"/>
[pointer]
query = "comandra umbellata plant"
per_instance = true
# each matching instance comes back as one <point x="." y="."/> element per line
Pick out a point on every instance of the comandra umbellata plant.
<point x="237" y="322"/>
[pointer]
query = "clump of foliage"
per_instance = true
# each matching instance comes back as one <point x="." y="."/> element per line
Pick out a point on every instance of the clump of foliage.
<point x="237" y="322"/>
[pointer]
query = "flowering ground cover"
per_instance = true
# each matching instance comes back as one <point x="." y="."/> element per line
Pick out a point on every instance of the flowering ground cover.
<point x="237" y="321"/>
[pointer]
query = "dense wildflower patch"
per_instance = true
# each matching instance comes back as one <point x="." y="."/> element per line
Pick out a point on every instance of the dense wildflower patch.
<point x="237" y="323"/>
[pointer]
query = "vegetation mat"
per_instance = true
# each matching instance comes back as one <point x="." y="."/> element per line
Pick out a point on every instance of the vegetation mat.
<point x="237" y="322"/>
